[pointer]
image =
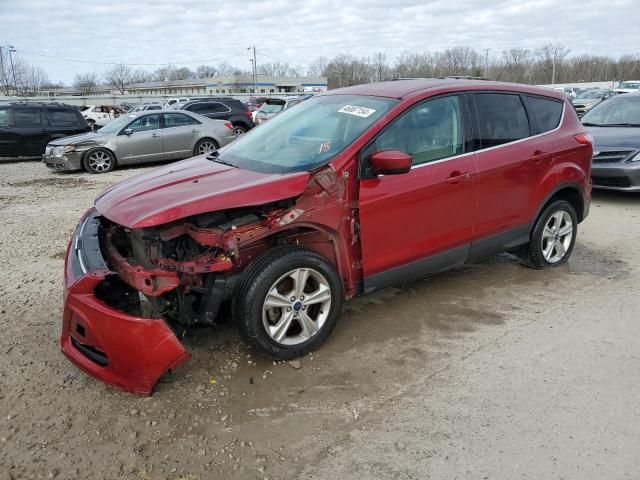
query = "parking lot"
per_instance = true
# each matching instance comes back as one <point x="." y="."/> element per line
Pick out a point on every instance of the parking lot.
<point x="489" y="370"/>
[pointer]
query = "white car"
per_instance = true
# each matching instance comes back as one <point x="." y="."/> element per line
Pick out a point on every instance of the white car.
<point x="630" y="86"/>
<point x="171" y="101"/>
<point x="100" y="114"/>
<point x="143" y="107"/>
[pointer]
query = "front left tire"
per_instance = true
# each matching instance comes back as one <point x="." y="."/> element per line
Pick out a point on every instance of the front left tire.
<point x="288" y="302"/>
<point x="99" y="160"/>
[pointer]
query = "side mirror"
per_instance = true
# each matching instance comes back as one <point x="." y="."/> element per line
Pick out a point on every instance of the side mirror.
<point x="391" y="162"/>
<point x="128" y="131"/>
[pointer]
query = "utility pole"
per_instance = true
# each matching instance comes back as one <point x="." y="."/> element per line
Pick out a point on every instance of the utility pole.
<point x="486" y="61"/>
<point x="13" y="70"/>
<point x="3" y="79"/>
<point x="255" y="69"/>
<point x="553" y="67"/>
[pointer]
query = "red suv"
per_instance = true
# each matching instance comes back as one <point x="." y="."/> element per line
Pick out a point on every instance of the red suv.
<point x="352" y="191"/>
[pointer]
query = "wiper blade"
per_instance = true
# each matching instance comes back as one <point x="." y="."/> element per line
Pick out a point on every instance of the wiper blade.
<point x="587" y="124"/>
<point x="215" y="157"/>
<point x="622" y="125"/>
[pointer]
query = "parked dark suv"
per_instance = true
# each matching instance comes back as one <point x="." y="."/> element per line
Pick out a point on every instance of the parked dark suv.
<point x="221" y="108"/>
<point x="27" y="128"/>
<point x="349" y="192"/>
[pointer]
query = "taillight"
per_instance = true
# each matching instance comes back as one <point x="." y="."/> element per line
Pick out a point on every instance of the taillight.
<point x="584" y="139"/>
<point x="229" y="125"/>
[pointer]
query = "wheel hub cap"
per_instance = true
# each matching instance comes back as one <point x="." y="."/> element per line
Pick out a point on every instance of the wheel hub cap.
<point x="557" y="236"/>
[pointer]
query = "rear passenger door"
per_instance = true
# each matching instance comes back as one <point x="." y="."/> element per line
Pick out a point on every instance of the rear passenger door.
<point x="515" y="158"/>
<point x="30" y="131"/>
<point x="64" y="122"/>
<point x="215" y="110"/>
<point x="179" y="135"/>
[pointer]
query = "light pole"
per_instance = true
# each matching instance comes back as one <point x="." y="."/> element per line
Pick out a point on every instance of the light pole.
<point x="255" y="69"/>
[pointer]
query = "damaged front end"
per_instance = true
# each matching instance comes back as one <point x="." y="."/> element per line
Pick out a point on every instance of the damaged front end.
<point x="128" y="290"/>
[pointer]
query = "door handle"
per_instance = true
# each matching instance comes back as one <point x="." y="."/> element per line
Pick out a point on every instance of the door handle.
<point x="155" y="135"/>
<point x="457" y="177"/>
<point x="195" y="131"/>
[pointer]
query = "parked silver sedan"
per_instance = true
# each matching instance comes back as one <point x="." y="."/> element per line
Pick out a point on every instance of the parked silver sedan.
<point x="139" y="137"/>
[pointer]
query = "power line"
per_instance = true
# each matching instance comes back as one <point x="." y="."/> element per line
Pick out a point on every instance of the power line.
<point x="103" y="62"/>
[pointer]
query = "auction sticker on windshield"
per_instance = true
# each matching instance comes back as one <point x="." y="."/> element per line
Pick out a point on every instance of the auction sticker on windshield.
<point x="357" y="111"/>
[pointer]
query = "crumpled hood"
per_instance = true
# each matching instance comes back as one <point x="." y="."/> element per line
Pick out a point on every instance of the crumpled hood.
<point x="615" y="136"/>
<point x="190" y="187"/>
<point x="90" y="137"/>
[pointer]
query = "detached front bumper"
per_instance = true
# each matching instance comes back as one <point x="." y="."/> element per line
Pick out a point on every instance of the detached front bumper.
<point x="125" y="351"/>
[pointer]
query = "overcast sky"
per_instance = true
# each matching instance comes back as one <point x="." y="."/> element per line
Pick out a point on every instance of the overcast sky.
<point x="298" y="31"/>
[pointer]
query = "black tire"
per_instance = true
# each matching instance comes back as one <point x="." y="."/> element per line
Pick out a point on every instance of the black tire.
<point x="92" y="164"/>
<point x="239" y="130"/>
<point x="259" y="278"/>
<point x="203" y="141"/>
<point x="532" y="255"/>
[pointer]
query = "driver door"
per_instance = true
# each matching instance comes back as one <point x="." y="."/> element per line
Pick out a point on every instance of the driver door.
<point x="419" y="222"/>
<point x="144" y="143"/>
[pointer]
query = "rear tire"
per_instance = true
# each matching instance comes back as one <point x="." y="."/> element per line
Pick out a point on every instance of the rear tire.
<point x="239" y="130"/>
<point x="553" y="237"/>
<point x="205" y="146"/>
<point x="288" y="302"/>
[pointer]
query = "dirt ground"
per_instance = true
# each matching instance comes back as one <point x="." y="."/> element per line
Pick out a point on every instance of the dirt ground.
<point x="487" y="371"/>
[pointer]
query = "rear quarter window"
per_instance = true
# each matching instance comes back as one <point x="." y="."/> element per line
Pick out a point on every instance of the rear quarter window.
<point x="547" y="112"/>
<point x="63" y="118"/>
<point x="4" y="117"/>
<point x="502" y="119"/>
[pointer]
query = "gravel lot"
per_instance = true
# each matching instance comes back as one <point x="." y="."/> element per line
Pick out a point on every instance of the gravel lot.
<point x="488" y="371"/>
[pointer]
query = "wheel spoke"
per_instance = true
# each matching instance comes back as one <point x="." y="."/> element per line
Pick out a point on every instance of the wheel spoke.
<point x="566" y="230"/>
<point x="300" y="278"/>
<point x="547" y="232"/>
<point x="548" y="250"/>
<point x="276" y="299"/>
<point x="279" y="330"/>
<point x="560" y="250"/>
<point x="309" y="327"/>
<point x="321" y="295"/>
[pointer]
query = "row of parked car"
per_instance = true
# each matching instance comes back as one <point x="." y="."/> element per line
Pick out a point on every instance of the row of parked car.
<point x="148" y="133"/>
<point x="27" y="128"/>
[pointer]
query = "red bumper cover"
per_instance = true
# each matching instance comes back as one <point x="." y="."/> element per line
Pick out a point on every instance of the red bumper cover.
<point x="125" y="351"/>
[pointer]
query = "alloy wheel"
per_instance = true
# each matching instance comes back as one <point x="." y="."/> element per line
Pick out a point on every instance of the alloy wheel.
<point x="206" y="147"/>
<point x="557" y="236"/>
<point x="100" y="161"/>
<point x="296" y="306"/>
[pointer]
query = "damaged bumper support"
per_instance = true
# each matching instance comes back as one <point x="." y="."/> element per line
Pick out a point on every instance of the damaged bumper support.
<point x="122" y="350"/>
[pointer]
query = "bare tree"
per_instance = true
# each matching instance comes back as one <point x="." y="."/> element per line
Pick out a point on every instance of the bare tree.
<point x="318" y="67"/>
<point x="204" y="71"/>
<point x="86" y="82"/>
<point x="551" y="56"/>
<point x="517" y="63"/>
<point x="118" y="77"/>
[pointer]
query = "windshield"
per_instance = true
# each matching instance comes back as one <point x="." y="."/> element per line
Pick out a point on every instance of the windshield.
<point x="308" y="136"/>
<point x="272" y="106"/>
<point x="592" y="94"/>
<point x="629" y="85"/>
<point x="115" y="125"/>
<point x="616" y="111"/>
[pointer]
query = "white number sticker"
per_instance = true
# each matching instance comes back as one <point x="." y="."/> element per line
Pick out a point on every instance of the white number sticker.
<point x="357" y="111"/>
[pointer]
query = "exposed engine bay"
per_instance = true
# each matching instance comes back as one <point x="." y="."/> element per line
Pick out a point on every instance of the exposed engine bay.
<point x="182" y="271"/>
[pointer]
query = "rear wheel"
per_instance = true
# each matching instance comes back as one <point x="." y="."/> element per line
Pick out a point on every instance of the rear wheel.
<point x="99" y="160"/>
<point x="553" y="237"/>
<point x="205" y="146"/>
<point x="239" y="130"/>
<point x="288" y="302"/>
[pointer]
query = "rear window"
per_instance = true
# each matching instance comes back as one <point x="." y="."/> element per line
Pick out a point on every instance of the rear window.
<point x="4" y="117"/>
<point x="547" y="112"/>
<point x="502" y="117"/>
<point x="62" y="118"/>
<point x="28" y="117"/>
